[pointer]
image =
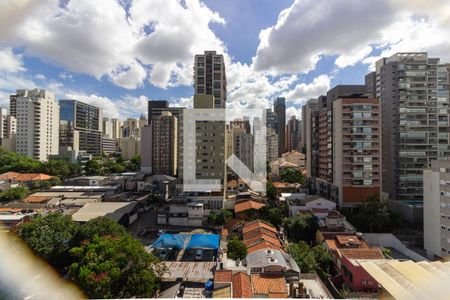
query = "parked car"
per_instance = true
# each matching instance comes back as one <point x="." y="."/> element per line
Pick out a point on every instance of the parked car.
<point x="198" y="255"/>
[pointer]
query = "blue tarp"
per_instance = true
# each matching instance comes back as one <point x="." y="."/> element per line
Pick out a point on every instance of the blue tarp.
<point x="204" y="241"/>
<point x="170" y="241"/>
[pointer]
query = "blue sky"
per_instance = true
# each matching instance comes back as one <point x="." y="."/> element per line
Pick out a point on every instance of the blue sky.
<point x="118" y="54"/>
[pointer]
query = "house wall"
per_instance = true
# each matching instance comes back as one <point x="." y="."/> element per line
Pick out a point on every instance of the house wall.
<point x="360" y="280"/>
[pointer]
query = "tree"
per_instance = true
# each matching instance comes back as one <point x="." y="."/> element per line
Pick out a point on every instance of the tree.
<point x="101" y="227"/>
<point x="311" y="260"/>
<point x="92" y="167"/>
<point x="270" y="189"/>
<point x="273" y="214"/>
<point x="236" y="249"/>
<point x="114" y="267"/>
<point x="10" y="161"/>
<point x="49" y="237"/>
<point x="375" y="216"/>
<point x="227" y="215"/>
<point x="292" y="175"/>
<point x="301" y="228"/>
<point x="13" y="194"/>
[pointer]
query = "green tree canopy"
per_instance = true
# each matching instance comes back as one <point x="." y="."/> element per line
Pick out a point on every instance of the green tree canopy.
<point x="274" y="214"/>
<point x="292" y="175"/>
<point x="114" y="267"/>
<point x="311" y="260"/>
<point x="101" y="227"/>
<point x="236" y="249"/>
<point x="49" y="237"/>
<point x="13" y="194"/>
<point x="375" y="216"/>
<point x="92" y="167"/>
<point x="301" y="228"/>
<point x="270" y="190"/>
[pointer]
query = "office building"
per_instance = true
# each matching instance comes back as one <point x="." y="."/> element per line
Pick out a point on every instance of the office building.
<point x="37" y="117"/>
<point x="80" y="127"/>
<point x="436" y="209"/>
<point x="293" y="134"/>
<point x="109" y="145"/>
<point x="130" y="127"/>
<point x="159" y="140"/>
<point x="279" y="107"/>
<point x="210" y="77"/>
<point x="356" y="149"/>
<point x="414" y="94"/>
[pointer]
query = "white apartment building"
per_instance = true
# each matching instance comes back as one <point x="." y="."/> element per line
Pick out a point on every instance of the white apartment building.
<point x="436" y="209"/>
<point x="37" y="124"/>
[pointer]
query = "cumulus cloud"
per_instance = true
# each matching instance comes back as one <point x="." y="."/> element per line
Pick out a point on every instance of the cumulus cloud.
<point x="350" y="30"/>
<point x="304" y="91"/>
<point x="293" y="111"/>
<point x="103" y="39"/>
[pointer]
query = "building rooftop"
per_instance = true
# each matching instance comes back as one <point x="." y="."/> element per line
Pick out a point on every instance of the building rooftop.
<point x="364" y="253"/>
<point x="271" y="286"/>
<point x="223" y="276"/>
<point x="247" y="205"/>
<point x="410" y="280"/>
<point x="112" y="210"/>
<point x="24" y="176"/>
<point x="257" y="223"/>
<point x="189" y="271"/>
<point x="242" y="287"/>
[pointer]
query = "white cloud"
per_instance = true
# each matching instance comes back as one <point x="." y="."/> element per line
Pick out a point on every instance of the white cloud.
<point x="40" y="76"/>
<point x="304" y="91"/>
<point x="102" y="39"/>
<point x="351" y="29"/>
<point x="10" y="62"/>
<point x="293" y="111"/>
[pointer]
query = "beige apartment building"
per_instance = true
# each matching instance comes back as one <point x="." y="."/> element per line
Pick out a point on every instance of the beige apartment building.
<point x="356" y="149"/>
<point x="37" y="117"/>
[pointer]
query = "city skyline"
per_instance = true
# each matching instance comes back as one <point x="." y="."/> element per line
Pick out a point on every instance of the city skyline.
<point x="269" y="64"/>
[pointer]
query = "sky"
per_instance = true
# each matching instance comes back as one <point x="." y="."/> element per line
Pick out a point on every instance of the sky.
<point x="118" y="54"/>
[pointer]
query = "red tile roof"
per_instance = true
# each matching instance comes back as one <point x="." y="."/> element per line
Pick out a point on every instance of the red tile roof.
<point x="255" y="224"/>
<point x="362" y="253"/>
<point x="274" y="241"/>
<point x="247" y="205"/>
<point x="9" y="175"/>
<point x="263" y="245"/>
<point x="258" y="231"/>
<point x="271" y="286"/>
<point x="36" y="199"/>
<point x="223" y="276"/>
<point x="24" y="176"/>
<point x="241" y="286"/>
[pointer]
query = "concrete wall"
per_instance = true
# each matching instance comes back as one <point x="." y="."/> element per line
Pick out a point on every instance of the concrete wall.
<point x="390" y="241"/>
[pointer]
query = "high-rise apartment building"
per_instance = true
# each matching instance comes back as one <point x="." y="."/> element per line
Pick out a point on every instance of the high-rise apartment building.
<point x="160" y="139"/>
<point x="107" y="128"/>
<point x="356" y="149"/>
<point x="210" y="143"/>
<point x="436" y="209"/>
<point x="80" y="127"/>
<point x="37" y="117"/>
<point x="116" y="126"/>
<point x="210" y="77"/>
<point x="279" y="107"/>
<point x="309" y="137"/>
<point x="414" y="94"/>
<point x="271" y="135"/>
<point x="240" y="141"/>
<point x="7" y="130"/>
<point x="156" y="109"/>
<point x="293" y="134"/>
<point x="13" y="102"/>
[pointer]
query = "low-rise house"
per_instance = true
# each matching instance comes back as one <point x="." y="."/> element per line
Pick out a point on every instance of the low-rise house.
<point x="273" y="262"/>
<point x="248" y="209"/>
<point x="123" y="213"/>
<point x="286" y="187"/>
<point x="89" y="181"/>
<point x="162" y="185"/>
<point x="10" y="218"/>
<point x="346" y="250"/>
<point x="23" y="178"/>
<point x="258" y="235"/>
<point x="303" y="202"/>
<point x="268" y="286"/>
